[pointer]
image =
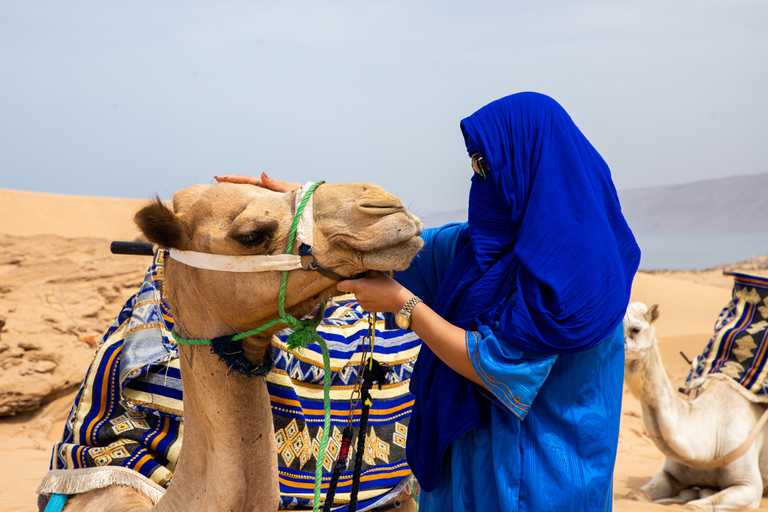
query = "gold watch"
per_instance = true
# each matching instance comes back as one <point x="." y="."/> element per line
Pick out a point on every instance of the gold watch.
<point x="403" y="317"/>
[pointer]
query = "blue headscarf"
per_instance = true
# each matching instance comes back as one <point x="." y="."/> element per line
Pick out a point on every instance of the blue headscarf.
<point x="547" y="264"/>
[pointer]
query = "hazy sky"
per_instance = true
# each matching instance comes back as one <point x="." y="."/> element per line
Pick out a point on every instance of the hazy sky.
<point x="135" y="98"/>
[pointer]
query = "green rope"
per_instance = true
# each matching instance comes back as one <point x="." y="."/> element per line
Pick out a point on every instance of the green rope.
<point x="326" y="423"/>
<point x="304" y="333"/>
<point x="289" y="246"/>
<point x="235" y="337"/>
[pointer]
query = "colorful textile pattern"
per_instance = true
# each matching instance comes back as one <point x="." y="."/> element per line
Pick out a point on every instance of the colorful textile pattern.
<point x="296" y="389"/>
<point x="126" y="425"/>
<point x="739" y="347"/>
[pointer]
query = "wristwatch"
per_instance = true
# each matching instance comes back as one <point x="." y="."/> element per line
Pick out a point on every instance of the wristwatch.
<point x="403" y="317"/>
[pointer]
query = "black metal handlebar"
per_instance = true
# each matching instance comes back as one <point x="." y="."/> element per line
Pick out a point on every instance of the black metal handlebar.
<point x="132" y="248"/>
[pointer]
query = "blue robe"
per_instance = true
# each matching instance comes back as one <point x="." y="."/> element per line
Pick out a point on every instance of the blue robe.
<point x="540" y="278"/>
<point x="551" y="424"/>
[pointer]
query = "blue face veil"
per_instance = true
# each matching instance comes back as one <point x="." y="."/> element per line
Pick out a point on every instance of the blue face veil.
<point x="545" y="222"/>
<point x="547" y="264"/>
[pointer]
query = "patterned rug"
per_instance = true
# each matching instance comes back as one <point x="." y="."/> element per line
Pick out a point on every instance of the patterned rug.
<point x="739" y="347"/>
<point x="126" y="425"/>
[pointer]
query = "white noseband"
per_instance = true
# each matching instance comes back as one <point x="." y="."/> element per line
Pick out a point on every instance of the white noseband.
<point x="258" y="262"/>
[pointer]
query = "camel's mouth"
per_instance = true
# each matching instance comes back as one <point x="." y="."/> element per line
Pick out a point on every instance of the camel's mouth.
<point x="390" y="243"/>
<point x="389" y="231"/>
<point x="632" y="354"/>
<point x="393" y="257"/>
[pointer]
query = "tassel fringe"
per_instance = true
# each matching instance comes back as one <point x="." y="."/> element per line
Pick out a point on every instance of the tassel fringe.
<point x="78" y="481"/>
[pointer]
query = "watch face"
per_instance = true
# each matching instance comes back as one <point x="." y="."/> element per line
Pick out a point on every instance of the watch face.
<point x="402" y="321"/>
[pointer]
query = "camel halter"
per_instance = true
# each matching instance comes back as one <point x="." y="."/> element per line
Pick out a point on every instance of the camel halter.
<point x="301" y="231"/>
<point x="262" y="262"/>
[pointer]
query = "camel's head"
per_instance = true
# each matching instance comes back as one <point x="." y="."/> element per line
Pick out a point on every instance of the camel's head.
<point x="357" y="227"/>
<point x="639" y="334"/>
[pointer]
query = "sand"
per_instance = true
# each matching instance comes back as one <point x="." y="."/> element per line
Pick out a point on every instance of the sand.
<point x="60" y="288"/>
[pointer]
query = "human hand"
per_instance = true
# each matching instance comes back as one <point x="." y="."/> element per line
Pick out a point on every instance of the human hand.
<point x="378" y="292"/>
<point x="263" y="181"/>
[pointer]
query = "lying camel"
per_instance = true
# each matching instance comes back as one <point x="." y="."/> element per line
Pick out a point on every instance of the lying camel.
<point x="694" y="435"/>
<point x="228" y="460"/>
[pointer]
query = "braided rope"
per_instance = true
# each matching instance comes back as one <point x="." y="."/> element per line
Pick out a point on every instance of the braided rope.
<point x="326" y="422"/>
<point x="362" y="433"/>
<point x="341" y="462"/>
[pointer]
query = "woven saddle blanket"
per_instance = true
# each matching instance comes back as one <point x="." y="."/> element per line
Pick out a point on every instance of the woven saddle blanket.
<point x="739" y="348"/>
<point x="126" y="424"/>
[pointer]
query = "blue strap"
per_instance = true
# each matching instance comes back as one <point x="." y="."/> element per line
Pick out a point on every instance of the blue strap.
<point x="56" y="502"/>
<point x="305" y="250"/>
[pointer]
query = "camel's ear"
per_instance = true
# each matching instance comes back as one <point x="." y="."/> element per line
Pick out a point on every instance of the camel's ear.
<point x="653" y="313"/>
<point x="159" y="224"/>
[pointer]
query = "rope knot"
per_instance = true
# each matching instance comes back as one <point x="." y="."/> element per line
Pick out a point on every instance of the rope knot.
<point x="305" y="331"/>
<point x="301" y="337"/>
<point x="293" y="324"/>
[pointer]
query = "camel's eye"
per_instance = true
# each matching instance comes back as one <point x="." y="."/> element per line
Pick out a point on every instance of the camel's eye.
<point x="635" y="330"/>
<point x="253" y="233"/>
<point x="253" y="239"/>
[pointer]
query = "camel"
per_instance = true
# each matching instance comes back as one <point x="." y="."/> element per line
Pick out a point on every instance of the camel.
<point x="697" y="434"/>
<point x="228" y="460"/>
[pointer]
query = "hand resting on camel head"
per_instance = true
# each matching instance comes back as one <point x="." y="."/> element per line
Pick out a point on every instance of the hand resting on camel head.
<point x="379" y="292"/>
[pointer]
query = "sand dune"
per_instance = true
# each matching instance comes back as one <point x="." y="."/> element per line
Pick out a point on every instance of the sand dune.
<point x="34" y="213"/>
<point x="60" y="288"/>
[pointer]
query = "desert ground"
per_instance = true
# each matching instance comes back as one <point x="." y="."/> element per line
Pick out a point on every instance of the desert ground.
<point x="60" y="288"/>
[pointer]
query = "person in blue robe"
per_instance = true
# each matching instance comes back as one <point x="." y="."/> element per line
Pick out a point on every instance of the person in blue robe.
<point x="518" y="384"/>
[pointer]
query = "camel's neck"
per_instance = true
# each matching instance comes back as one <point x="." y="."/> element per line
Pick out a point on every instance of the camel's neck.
<point x="228" y="459"/>
<point x="664" y="412"/>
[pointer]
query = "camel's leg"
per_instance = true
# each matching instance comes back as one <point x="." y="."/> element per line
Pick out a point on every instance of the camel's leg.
<point x="114" y="498"/>
<point x="731" y="499"/>
<point x="742" y="493"/>
<point x="681" y="498"/>
<point x="661" y="486"/>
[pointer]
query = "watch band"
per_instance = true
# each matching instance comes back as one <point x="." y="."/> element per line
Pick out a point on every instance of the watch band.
<point x="411" y="304"/>
<point x="403" y="317"/>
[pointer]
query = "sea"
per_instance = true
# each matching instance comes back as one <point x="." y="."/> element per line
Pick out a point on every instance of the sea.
<point x="670" y="251"/>
<point x="689" y="251"/>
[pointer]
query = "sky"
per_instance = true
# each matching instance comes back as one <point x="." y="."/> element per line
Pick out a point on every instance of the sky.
<point x="133" y="99"/>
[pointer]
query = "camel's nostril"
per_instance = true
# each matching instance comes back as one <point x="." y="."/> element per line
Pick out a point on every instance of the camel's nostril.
<point x="382" y="205"/>
<point x="381" y="209"/>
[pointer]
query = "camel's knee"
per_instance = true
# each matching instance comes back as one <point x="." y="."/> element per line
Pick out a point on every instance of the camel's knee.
<point x="680" y="498"/>
<point x="639" y="495"/>
<point x="661" y="486"/>
<point x="730" y="499"/>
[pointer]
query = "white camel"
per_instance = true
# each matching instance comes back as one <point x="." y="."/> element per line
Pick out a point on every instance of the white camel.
<point x="695" y="435"/>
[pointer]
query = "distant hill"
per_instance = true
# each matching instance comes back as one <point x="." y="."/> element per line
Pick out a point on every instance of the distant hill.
<point x="738" y="203"/>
